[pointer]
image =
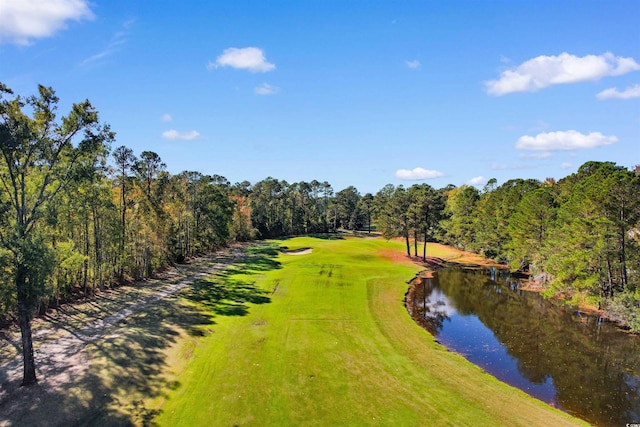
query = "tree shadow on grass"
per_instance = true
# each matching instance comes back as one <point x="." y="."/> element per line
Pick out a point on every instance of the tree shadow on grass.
<point x="121" y="369"/>
<point x="126" y="366"/>
<point x="262" y="253"/>
<point x="226" y="296"/>
<point x="229" y="291"/>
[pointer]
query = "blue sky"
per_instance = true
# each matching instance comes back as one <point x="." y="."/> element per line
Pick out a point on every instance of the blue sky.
<point x="361" y="93"/>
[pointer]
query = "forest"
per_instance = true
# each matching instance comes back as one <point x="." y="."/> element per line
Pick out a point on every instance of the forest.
<point x="77" y="216"/>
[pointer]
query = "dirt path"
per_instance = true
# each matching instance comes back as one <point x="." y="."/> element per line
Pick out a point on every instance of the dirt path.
<point x="60" y="339"/>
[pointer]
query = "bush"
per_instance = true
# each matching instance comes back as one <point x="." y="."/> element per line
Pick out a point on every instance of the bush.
<point x="625" y="308"/>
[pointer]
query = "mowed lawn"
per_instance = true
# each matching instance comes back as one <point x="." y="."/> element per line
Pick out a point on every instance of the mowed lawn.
<point x="323" y="338"/>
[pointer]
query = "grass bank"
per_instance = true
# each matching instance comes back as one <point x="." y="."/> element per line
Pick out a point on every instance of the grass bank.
<point x="322" y="338"/>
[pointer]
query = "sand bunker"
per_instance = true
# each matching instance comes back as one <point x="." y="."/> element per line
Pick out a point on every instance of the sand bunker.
<point x="301" y="251"/>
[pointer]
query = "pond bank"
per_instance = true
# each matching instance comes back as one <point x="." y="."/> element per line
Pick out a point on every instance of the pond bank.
<point x="577" y="363"/>
<point x="445" y="256"/>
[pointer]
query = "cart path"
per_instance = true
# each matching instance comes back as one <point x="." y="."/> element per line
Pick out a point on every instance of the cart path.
<point x="60" y="360"/>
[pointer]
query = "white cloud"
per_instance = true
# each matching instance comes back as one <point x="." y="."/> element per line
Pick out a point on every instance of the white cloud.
<point x="174" y="135"/>
<point x="166" y="117"/>
<point x="266" y="89"/>
<point x="414" y="65"/>
<point x="569" y="140"/>
<point x="478" y="180"/>
<point x="614" y="93"/>
<point x="544" y="71"/>
<point x="417" y="174"/>
<point x="566" y="165"/>
<point x="248" y="58"/>
<point x="23" y="20"/>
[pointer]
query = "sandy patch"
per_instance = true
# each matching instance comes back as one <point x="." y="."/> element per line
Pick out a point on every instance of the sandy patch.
<point x="451" y="254"/>
<point x="302" y="251"/>
<point x="396" y="256"/>
<point x="438" y="256"/>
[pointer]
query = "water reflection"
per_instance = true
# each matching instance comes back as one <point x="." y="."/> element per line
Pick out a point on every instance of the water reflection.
<point x="571" y="360"/>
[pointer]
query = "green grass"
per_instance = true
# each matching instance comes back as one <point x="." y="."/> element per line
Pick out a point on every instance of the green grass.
<point x="324" y="339"/>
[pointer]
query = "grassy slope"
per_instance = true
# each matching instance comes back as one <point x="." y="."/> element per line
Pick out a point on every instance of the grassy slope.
<point x="335" y="346"/>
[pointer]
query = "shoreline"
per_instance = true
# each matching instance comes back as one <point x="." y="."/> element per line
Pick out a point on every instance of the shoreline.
<point x="473" y="261"/>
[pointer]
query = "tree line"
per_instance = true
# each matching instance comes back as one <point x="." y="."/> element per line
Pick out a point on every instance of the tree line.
<point x="77" y="217"/>
<point x="578" y="237"/>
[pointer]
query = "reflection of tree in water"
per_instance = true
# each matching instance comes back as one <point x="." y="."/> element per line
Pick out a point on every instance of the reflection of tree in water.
<point x="428" y="305"/>
<point x="595" y="368"/>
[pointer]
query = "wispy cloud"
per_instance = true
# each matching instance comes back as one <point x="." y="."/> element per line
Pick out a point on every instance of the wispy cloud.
<point x="539" y="126"/>
<point x="417" y="174"/>
<point x="414" y="65"/>
<point x="568" y="140"/>
<point x="118" y="39"/>
<point x="536" y="156"/>
<point x="544" y="71"/>
<point x="174" y="135"/>
<point x="506" y="166"/>
<point x="266" y="89"/>
<point x="614" y="93"/>
<point x="166" y="117"/>
<point x="248" y="58"/>
<point x="566" y="165"/>
<point x="24" y="20"/>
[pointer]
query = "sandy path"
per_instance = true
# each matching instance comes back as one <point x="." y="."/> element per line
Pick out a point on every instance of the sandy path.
<point x="61" y="359"/>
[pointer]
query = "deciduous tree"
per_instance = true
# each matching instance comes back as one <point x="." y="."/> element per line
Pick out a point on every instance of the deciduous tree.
<point x="40" y="156"/>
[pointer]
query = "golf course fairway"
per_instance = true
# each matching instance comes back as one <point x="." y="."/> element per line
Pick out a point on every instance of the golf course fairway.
<point x="313" y="331"/>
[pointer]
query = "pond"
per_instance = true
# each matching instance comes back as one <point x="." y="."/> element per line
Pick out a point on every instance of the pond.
<point x="573" y="361"/>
